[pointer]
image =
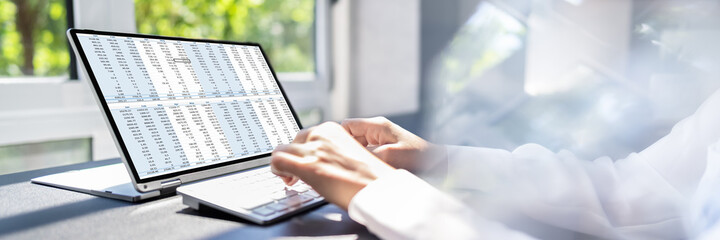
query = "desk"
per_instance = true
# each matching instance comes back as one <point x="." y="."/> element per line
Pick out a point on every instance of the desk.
<point x="31" y="211"/>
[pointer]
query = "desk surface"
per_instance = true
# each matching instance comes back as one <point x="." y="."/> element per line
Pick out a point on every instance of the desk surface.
<point x="30" y="211"/>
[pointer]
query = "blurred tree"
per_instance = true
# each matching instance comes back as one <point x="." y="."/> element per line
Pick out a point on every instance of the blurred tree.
<point x="32" y="38"/>
<point x="32" y="32"/>
<point x="27" y="16"/>
<point x="283" y="27"/>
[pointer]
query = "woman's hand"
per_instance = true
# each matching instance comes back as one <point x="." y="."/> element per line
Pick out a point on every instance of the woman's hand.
<point x="330" y="160"/>
<point x="395" y="145"/>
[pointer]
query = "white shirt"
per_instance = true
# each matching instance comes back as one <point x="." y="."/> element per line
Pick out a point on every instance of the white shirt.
<point x="533" y="192"/>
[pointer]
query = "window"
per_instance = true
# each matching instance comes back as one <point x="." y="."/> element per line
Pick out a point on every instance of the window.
<point x="283" y="28"/>
<point x="32" y="38"/>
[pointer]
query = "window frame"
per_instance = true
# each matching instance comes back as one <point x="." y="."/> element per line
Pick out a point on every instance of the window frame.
<point x="309" y="90"/>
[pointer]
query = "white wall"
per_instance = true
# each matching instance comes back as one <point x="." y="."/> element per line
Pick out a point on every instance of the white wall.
<point x="341" y="65"/>
<point x="376" y="58"/>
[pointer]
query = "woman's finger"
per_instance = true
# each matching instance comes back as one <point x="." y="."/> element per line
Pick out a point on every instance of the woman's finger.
<point x="362" y="140"/>
<point x="291" y="162"/>
<point x="297" y="149"/>
<point x="302" y="136"/>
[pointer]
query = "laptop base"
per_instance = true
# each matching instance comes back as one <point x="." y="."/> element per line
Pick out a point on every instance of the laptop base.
<point x="270" y="199"/>
<point x="111" y="181"/>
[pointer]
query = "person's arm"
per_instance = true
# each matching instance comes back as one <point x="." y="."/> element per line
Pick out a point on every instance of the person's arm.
<point x="604" y="198"/>
<point x="402" y="206"/>
<point x="394" y="204"/>
<point x="641" y="196"/>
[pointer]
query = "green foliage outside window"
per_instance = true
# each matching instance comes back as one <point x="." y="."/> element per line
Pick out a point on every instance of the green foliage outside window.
<point x="32" y="38"/>
<point x="283" y="27"/>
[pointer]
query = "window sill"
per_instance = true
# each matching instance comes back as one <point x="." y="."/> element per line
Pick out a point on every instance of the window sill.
<point x="296" y="76"/>
<point x="34" y="80"/>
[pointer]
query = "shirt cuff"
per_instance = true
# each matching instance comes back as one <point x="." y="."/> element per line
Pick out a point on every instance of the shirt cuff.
<point x="398" y="205"/>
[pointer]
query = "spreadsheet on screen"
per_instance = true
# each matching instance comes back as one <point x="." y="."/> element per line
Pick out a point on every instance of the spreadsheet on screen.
<point x="181" y="104"/>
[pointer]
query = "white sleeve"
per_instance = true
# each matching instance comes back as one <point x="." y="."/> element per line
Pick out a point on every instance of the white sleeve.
<point x="402" y="206"/>
<point x="644" y="195"/>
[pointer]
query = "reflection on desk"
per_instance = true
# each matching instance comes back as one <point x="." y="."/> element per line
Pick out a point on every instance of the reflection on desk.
<point x="30" y="211"/>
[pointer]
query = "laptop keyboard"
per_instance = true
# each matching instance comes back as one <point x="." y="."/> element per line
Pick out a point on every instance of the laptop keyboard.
<point x="268" y="193"/>
<point x="260" y="192"/>
<point x="257" y="195"/>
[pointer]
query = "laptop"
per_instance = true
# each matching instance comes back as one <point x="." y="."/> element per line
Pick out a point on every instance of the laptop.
<point x="197" y="117"/>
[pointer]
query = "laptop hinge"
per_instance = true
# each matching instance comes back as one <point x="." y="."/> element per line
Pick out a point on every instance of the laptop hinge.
<point x="170" y="184"/>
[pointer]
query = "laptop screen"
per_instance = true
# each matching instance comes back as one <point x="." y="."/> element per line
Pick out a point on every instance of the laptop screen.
<point x="182" y="104"/>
